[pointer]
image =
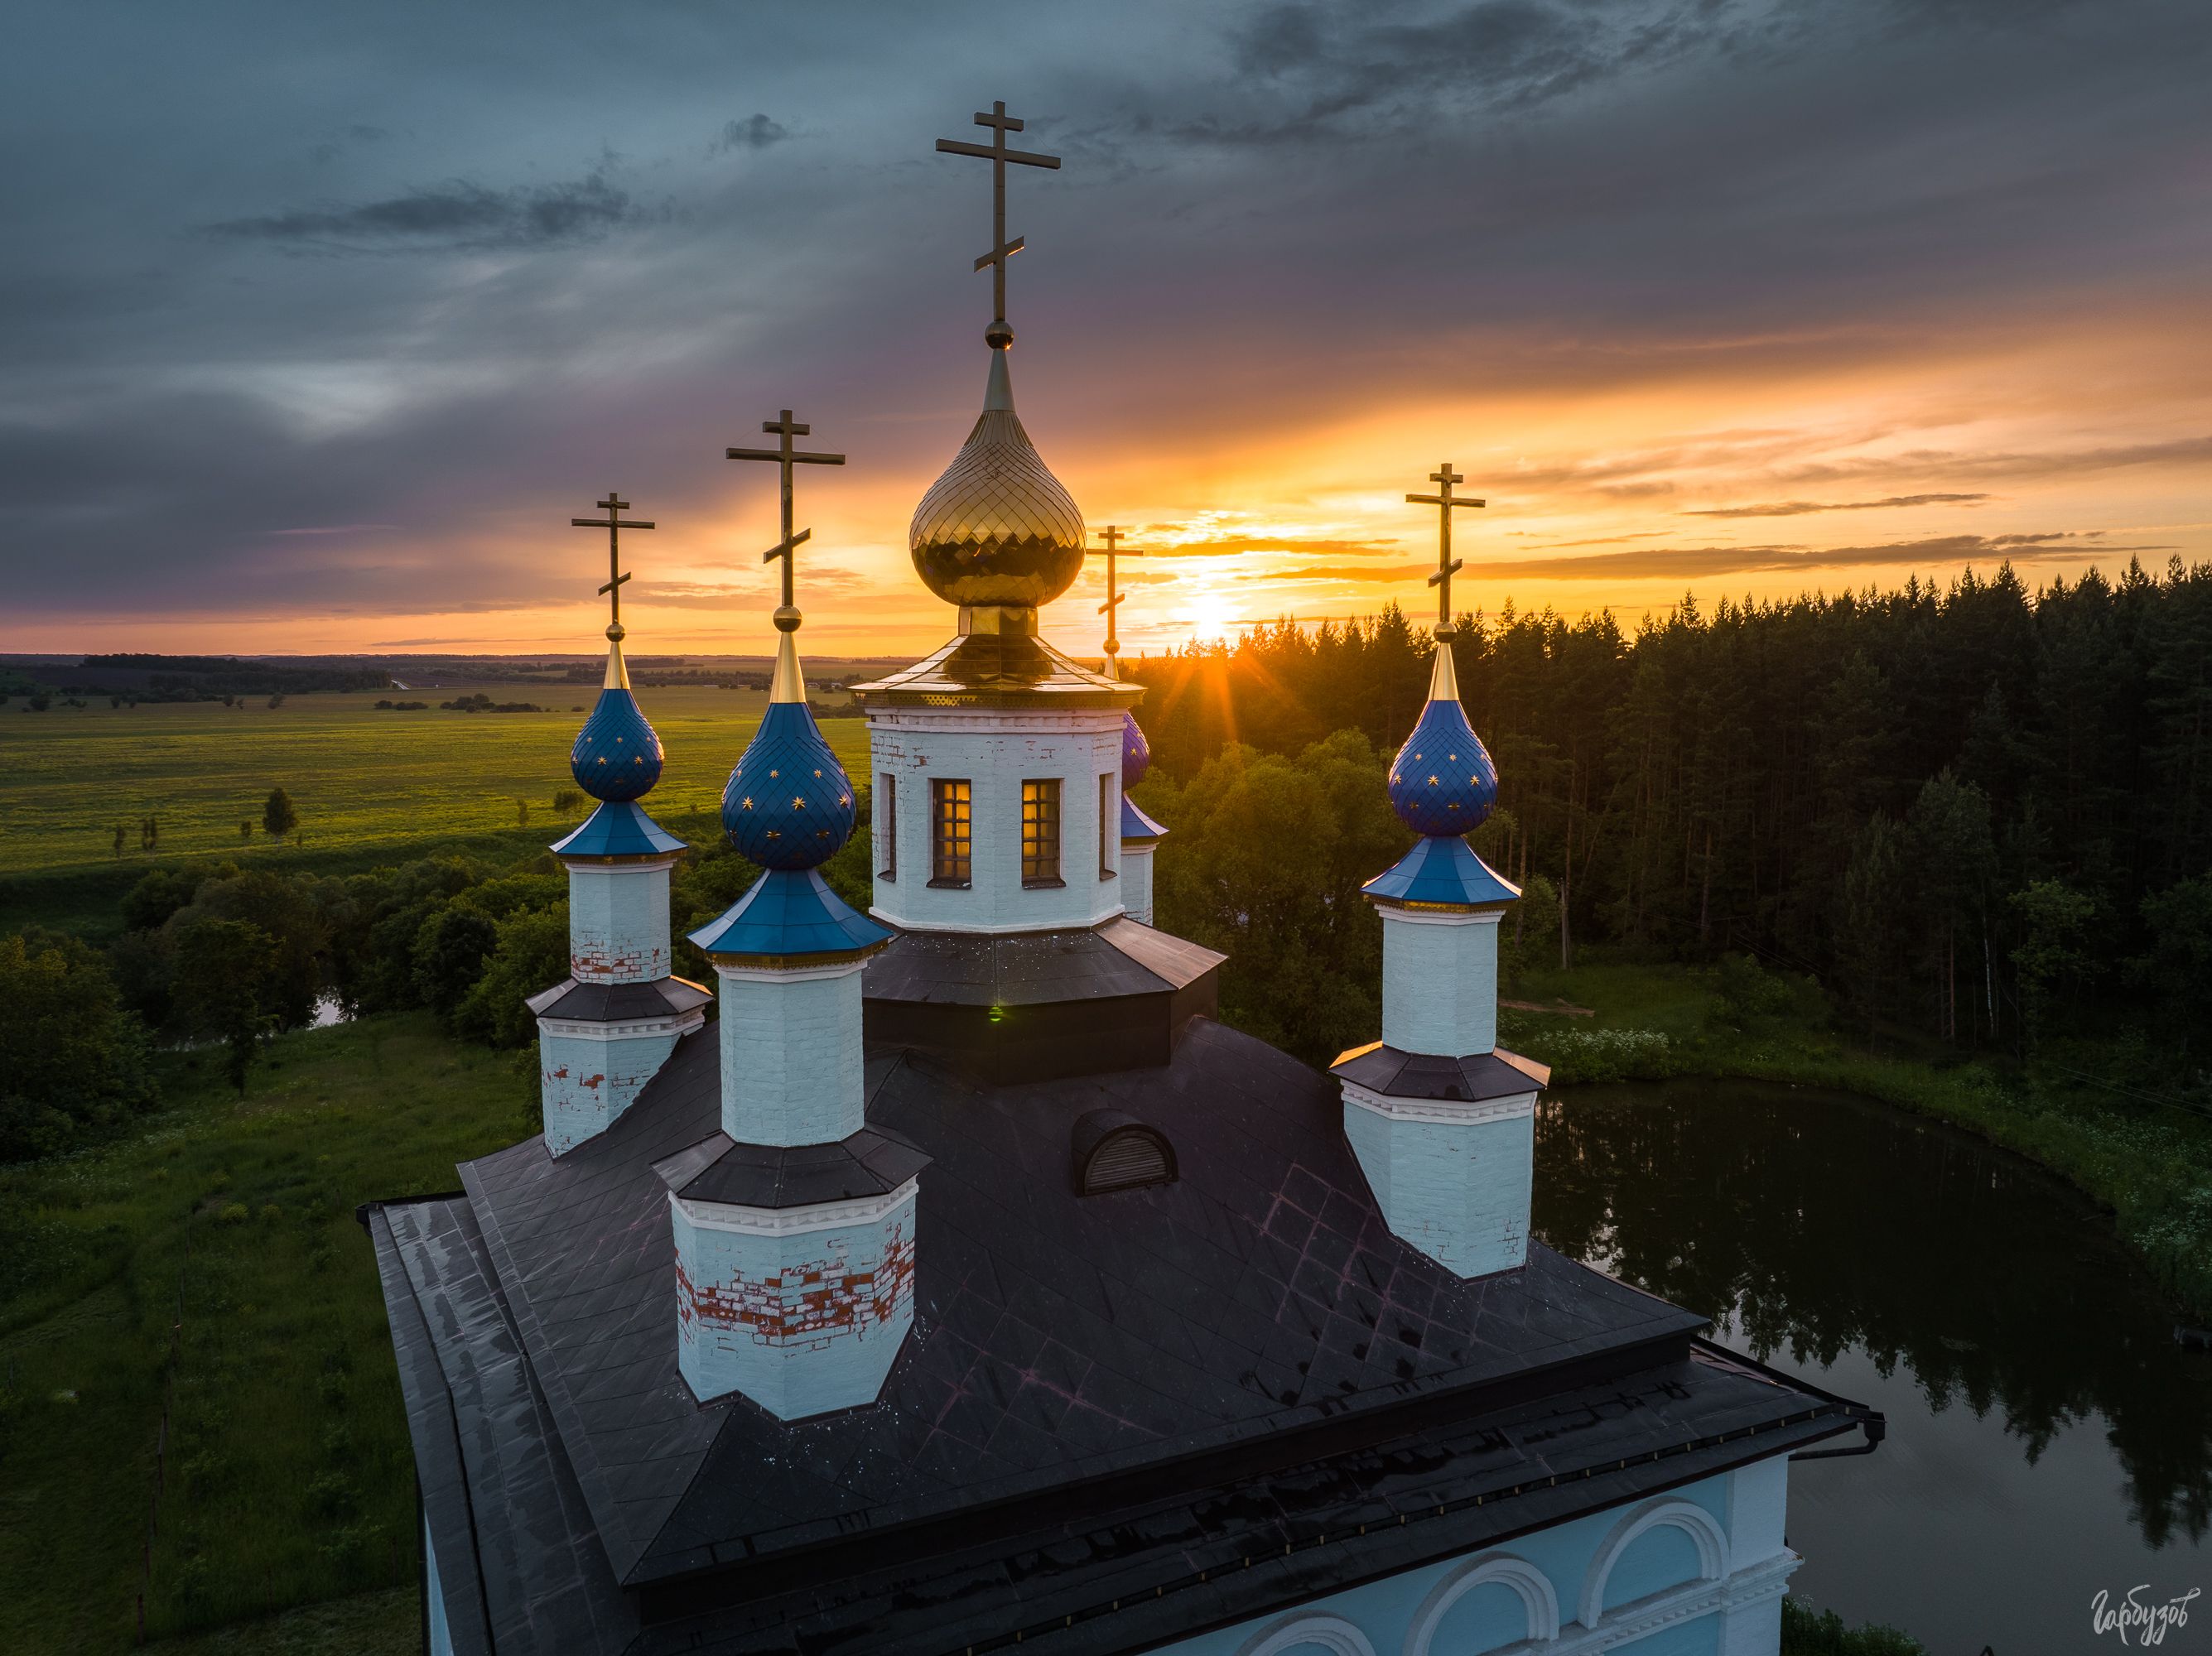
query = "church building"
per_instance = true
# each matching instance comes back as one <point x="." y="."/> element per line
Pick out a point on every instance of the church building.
<point x="963" y="1284"/>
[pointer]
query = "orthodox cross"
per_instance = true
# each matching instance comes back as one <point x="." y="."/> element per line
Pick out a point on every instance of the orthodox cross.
<point x="787" y="456"/>
<point x="1112" y="536"/>
<point x="614" y="523"/>
<point x="1446" y="566"/>
<point x="997" y="154"/>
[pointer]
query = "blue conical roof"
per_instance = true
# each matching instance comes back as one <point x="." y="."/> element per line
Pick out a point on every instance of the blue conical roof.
<point x="619" y="828"/>
<point x="1442" y="870"/>
<point x="789" y="911"/>
<point x="789" y="804"/>
<point x="1442" y="781"/>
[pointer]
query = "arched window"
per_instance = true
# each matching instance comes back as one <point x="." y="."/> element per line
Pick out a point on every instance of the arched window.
<point x="1114" y="1151"/>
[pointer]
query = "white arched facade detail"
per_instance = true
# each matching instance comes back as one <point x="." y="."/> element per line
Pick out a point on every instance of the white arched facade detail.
<point x="1331" y="1632"/>
<point x="1704" y="1530"/>
<point x="1529" y="1584"/>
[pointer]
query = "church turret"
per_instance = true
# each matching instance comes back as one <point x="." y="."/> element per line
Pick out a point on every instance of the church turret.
<point x="1442" y="1122"/>
<point x="1140" y="834"/>
<point x="609" y="1025"/>
<point x="795" y="1223"/>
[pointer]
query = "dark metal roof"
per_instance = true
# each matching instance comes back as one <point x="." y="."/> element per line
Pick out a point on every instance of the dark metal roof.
<point x="618" y="1003"/>
<point x="1137" y="1575"/>
<point x="1478" y="1075"/>
<point x="1028" y="968"/>
<point x="1152" y="1357"/>
<point x="717" y="1169"/>
<point x="486" y="1458"/>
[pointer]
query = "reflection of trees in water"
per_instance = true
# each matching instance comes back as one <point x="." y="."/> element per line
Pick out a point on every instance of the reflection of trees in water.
<point x="1823" y="1224"/>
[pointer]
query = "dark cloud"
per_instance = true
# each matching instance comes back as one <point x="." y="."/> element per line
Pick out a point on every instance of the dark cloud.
<point x="1361" y="67"/>
<point x="1700" y="562"/>
<point x="1800" y="508"/>
<point x="453" y="215"/>
<point x="754" y="132"/>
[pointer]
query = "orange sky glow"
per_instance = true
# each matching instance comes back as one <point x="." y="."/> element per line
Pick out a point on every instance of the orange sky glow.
<point x="1760" y="468"/>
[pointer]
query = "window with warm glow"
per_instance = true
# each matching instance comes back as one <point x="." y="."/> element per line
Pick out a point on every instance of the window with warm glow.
<point x="951" y="807"/>
<point x="1041" y="832"/>
<point x="888" y="815"/>
<point x="1110" y="835"/>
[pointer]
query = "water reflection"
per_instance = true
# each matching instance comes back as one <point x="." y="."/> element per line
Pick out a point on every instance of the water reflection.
<point x="2047" y="1436"/>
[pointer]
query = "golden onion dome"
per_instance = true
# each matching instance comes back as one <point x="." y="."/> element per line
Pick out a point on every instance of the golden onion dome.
<point x="997" y="528"/>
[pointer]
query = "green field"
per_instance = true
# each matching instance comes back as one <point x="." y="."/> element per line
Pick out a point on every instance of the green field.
<point x="357" y="776"/>
<point x="287" y="1479"/>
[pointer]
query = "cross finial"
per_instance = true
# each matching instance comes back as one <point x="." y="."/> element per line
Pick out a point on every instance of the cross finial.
<point x="998" y="335"/>
<point x="1446" y="566"/>
<point x="1112" y="536"/>
<point x="784" y="427"/>
<point x="614" y="523"/>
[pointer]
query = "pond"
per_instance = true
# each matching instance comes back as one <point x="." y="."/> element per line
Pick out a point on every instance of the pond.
<point x="2048" y="1438"/>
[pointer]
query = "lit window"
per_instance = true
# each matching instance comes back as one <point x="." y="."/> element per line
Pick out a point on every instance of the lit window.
<point x="887" y="816"/>
<point x="1041" y="832"/>
<point x="951" y="806"/>
<point x="1109" y="827"/>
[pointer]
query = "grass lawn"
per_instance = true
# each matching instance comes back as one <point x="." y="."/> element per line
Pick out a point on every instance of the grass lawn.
<point x="288" y="1478"/>
<point x="356" y="776"/>
<point x="370" y="787"/>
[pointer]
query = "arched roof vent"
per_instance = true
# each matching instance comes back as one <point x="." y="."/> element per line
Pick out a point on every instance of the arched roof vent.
<point x="1116" y="1151"/>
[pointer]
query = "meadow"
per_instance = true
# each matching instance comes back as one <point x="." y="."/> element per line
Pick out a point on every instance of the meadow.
<point x="358" y="775"/>
<point x="209" y="1271"/>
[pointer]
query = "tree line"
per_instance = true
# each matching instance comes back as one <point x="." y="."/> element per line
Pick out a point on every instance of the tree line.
<point x="1975" y="813"/>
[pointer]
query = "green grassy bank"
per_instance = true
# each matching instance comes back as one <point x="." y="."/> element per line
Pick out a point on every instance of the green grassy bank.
<point x="2144" y="1154"/>
<point x="286" y="1478"/>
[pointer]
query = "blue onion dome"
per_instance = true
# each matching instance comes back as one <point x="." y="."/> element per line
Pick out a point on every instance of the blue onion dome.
<point x="789" y="804"/>
<point x="1442" y="781"/>
<point x="617" y="753"/>
<point x="1136" y="752"/>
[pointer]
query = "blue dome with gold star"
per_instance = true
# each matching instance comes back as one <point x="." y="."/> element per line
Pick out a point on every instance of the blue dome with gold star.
<point x="617" y="753"/>
<point x="789" y="804"/>
<point x="1442" y="781"/>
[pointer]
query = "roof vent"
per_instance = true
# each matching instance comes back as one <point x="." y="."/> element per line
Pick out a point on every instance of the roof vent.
<point x="1114" y="1151"/>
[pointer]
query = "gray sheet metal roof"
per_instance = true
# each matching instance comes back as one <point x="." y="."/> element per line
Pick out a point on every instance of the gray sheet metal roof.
<point x="1227" y="1327"/>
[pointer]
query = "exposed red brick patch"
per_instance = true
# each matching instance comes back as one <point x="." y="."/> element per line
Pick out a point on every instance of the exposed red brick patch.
<point x="809" y="1304"/>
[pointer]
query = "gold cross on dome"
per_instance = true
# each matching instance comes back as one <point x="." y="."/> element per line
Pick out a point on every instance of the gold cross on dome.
<point x="997" y="154"/>
<point x="614" y="523"/>
<point x="1446" y="566"/>
<point x="1112" y="536"/>
<point x="785" y="456"/>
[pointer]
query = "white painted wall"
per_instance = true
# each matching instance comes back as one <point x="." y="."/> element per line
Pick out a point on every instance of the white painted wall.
<point x="1136" y="878"/>
<point x="590" y="1073"/>
<point x="1453" y="1180"/>
<point x="996" y="750"/>
<point x="802" y="1310"/>
<point x="1439" y="981"/>
<point x="793" y="1068"/>
<point x="1692" y="1594"/>
<point x="618" y="921"/>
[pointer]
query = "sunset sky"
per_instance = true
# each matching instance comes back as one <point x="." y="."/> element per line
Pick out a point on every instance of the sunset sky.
<point x="323" y="321"/>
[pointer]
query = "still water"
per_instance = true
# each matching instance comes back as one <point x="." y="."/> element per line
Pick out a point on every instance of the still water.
<point x="2047" y="1437"/>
